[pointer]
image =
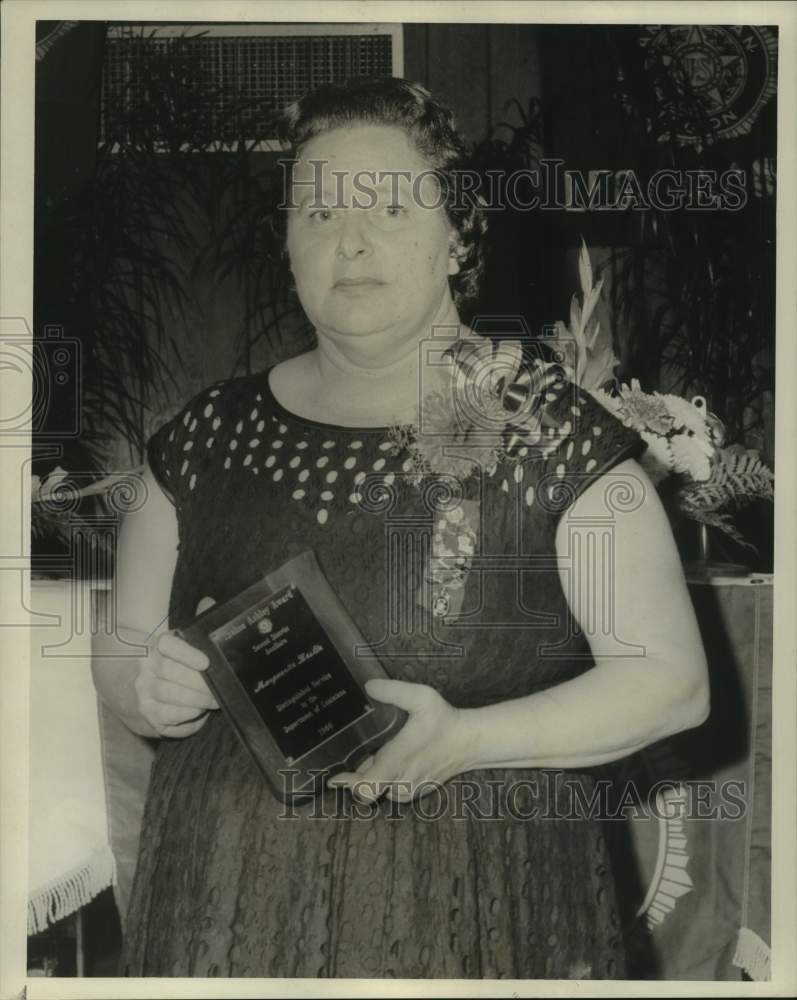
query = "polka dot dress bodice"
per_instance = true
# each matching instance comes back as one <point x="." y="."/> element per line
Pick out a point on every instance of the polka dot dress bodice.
<point x="226" y="883"/>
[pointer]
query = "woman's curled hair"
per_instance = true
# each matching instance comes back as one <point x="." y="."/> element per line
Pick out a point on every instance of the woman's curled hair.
<point x="429" y="124"/>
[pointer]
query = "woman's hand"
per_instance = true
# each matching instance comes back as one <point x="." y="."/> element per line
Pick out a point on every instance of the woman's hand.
<point x="430" y="748"/>
<point x="172" y="694"/>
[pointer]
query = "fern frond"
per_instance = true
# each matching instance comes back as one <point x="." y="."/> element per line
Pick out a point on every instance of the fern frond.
<point x="741" y="473"/>
<point x="723" y="523"/>
<point x="698" y="498"/>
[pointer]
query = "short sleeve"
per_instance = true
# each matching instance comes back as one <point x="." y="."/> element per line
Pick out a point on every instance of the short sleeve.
<point x="579" y="442"/>
<point x="170" y="449"/>
<point x="162" y="446"/>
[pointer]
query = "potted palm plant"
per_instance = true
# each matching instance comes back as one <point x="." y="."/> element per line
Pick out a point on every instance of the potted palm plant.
<point x="124" y="262"/>
<point x="694" y="291"/>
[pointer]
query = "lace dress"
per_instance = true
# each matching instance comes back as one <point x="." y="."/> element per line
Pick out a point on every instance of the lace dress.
<point x="490" y="879"/>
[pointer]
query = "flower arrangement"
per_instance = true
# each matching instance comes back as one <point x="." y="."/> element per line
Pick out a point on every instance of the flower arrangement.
<point x="436" y="443"/>
<point x="477" y="425"/>
<point x="683" y="439"/>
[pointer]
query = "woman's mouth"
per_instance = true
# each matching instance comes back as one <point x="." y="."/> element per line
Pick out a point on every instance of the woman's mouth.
<point x="355" y="284"/>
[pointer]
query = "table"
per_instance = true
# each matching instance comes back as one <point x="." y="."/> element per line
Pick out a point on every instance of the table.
<point x="695" y="892"/>
<point x="70" y="855"/>
<point x="701" y="887"/>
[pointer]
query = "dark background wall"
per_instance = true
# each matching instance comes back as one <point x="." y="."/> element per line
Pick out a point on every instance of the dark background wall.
<point x="477" y="69"/>
<point x="488" y="74"/>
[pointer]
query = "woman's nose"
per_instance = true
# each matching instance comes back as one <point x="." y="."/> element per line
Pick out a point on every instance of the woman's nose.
<point x="353" y="240"/>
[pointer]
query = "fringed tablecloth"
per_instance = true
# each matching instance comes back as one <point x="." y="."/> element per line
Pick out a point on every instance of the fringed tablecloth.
<point x="70" y="859"/>
<point x="703" y="885"/>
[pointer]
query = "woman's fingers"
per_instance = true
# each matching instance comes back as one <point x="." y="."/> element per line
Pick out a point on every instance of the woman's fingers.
<point x="369" y="781"/>
<point x="169" y="693"/>
<point x="401" y="791"/>
<point x="363" y="788"/>
<point x="161" y="715"/>
<point x="365" y="765"/>
<point x="409" y="695"/>
<point x="183" y="729"/>
<point x="172" y="647"/>
<point x="367" y="789"/>
<point x="181" y="675"/>
<point x="172" y="692"/>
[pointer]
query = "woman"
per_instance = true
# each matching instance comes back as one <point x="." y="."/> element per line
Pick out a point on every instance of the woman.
<point x="509" y="704"/>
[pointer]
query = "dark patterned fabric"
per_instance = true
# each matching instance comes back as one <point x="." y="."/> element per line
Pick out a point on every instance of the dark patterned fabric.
<point x="481" y="881"/>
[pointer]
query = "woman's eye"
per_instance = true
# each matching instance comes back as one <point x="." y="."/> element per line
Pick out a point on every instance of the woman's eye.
<point x="395" y="211"/>
<point x="321" y="215"/>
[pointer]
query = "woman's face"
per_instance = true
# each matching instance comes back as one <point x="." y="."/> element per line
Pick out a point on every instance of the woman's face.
<point x="369" y="242"/>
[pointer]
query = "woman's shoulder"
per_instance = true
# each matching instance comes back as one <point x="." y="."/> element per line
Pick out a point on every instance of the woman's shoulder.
<point x="213" y="401"/>
<point x="208" y="424"/>
<point x="565" y="441"/>
<point x="228" y="391"/>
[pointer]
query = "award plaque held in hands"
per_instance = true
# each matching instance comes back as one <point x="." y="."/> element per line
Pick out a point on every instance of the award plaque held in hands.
<point x="284" y="672"/>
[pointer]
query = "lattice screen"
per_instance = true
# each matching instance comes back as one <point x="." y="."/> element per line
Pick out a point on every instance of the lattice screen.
<point x="204" y="88"/>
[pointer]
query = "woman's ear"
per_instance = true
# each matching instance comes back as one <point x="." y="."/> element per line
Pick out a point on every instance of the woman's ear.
<point x="456" y="253"/>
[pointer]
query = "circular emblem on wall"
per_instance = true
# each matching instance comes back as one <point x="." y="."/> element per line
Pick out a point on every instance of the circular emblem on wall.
<point x="713" y="80"/>
<point x="48" y="33"/>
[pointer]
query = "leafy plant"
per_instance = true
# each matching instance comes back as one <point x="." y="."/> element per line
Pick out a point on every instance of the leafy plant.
<point x="56" y="509"/>
<point x="164" y="215"/>
<point x="592" y="361"/>
<point x="737" y="476"/>
<point x="682" y="437"/>
<point x="695" y="291"/>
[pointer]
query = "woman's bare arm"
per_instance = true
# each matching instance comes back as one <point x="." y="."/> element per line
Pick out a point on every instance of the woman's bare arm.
<point x="150" y="679"/>
<point x="649" y="680"/>
<point x="650" y="677"/>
